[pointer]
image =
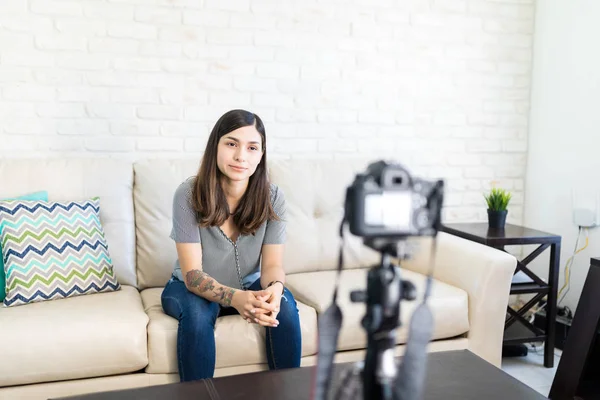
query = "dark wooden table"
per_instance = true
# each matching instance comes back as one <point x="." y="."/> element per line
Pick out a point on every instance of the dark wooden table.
<point x="517" y="329"/>
<point x="579" y="366"/>
<point x="451" y="375"/>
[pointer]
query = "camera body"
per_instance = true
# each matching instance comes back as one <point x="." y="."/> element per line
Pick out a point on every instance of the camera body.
<point x="387" y="202"/>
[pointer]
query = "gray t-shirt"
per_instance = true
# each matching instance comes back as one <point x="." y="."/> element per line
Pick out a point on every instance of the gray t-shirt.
<point x="236" y="265"/>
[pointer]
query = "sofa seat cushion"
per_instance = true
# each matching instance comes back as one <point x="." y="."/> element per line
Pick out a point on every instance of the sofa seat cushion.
<point x="79" y="337"/>
<point x="238" y="342"/>
<point x="448" y="304"/>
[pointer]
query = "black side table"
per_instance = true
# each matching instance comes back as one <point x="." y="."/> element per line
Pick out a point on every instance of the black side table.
<point x="517" y="329"/>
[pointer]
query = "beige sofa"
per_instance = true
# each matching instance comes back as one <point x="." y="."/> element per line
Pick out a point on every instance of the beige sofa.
<point x="123" y="339"/>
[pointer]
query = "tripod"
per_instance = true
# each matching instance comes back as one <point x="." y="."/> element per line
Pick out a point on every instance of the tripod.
<point x="385" y="290"/>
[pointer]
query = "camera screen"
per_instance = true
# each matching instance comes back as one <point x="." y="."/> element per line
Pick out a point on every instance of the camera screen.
<point x="390" y="209"/>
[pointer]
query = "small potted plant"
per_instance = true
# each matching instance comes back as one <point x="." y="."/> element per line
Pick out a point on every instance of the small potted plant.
<point x="497" y="202"/>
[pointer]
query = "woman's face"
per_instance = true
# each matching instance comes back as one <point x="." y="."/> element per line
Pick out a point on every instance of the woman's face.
<point x="239" y="152"/>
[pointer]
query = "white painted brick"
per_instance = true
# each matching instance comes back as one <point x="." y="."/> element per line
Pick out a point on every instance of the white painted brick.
<point x="513" y="121"/>
<point x="159" y="112"/>
<point x="134" y="128"/>
<point x="160" y="49"/>
<point x="508" y="171"/>
<point x="261" y="22"/>
<point x="444" y="20"/>
<point x="449" y="119"/>
<point x="160" y="144"/>
<point x="13" y="7"/>
<point x="231" y="68"/>
<point x="25" y="126"/>
<point x="82" y="94"/>
<point x="336" y="116"/>
<point x="112" y="45"/>
<point x="179" y="34"/>
<point x="136" y="64"/>
<point x="180" y="128"/>
<point x="245" y="53"/>
<point x="183" y="65"/>
<point x="464" y="159"/>
<point x="25" y="22"/>
<point x="82" y="127"/>
<point x="228" y="5"/>
<point x="292" y="115"/>
<point x="108" y="11"/>
<point x="320" y="73"/>
<point x="480" y="172"/>
<point x="195" y="145"/>
<point x="83" y="61"/>
<point x="110" y="78"/>
<point x="158" y="15"/>
<point x="337" y="145"/>
<point x="158" y="80"/>
<point x="205" y="51"/>
<point x="500" y="133"/>
<point x="109" y="144"/>
<point x="54" y="7"/>
<point x="287" y="145"/>
<point x="58" y="77"/>
<point x="205" y="82"/>
<point x="81" y="27"/>
<point x="508" y="26"/>
<point x="278" y="71"/>
<point x="130" y="30"/>
<point x="12" y="143"/>
<point x="376" y="117"/>
<point x="60" y="42"/>
<point x="27" y="58"/>
<point x="458" y="6"/>
<point x="272" y="100"/>
<point x="505" y="159"/>
<point x="255" y="85"/>
<point x="16" y="110"/>
<point x="228" y="36"/>
<point x="206" y="18"/>
<point x="231" y="100"/>
<point x="499" y="107"/>
<point x="14" y="42"/>
<point x="484" y="146"/>
<point x="493" y="9"/>
<point x="61" y="143"/>
<point x="514" y="145"/>
<point x="393" y="16"/>
<point x="372" y="30"/>
<point x="54" y="110"/>
<point x="134" y="95"/>
<point x="28" y="92"/>
<point x="110" y="111"/>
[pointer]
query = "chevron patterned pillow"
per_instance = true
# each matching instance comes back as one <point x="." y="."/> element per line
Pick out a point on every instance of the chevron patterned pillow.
<point x="53" y="250"/>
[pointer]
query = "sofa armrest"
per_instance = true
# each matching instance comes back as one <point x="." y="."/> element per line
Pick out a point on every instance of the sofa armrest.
<point x="485" y="274"/>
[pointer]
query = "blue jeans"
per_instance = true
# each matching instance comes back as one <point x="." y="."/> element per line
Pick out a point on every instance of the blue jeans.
<point x="196" y="350"/>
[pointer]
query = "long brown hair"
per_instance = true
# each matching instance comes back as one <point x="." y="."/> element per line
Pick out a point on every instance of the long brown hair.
<point x="208" y="197"/>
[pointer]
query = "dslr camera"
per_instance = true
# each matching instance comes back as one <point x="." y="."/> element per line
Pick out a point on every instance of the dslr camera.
<point x="387" y="202"/>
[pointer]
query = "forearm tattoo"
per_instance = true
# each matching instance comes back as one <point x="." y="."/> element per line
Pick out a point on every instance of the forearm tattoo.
<point x="203" y="283"/>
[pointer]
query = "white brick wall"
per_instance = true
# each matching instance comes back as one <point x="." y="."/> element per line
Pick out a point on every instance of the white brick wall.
<point x="441" y="85"/>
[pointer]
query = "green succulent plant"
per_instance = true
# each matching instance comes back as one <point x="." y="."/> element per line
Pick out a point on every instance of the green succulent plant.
<point x="497" y="199"/>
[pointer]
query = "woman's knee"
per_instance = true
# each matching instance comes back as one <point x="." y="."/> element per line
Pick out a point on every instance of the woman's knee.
<point x="287" y="305"/>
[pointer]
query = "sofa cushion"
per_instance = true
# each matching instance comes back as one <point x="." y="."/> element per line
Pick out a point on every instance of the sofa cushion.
<point x="448" y="304"/>
<point x="54" y="250"/>
<point x="155" y="184"/>
<point x="238" y="342"/>
<point x="81" y="178"/>
<point x="72" y="338"/>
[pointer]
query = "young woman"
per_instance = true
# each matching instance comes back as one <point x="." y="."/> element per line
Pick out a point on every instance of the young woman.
<point x="229" y="231"/>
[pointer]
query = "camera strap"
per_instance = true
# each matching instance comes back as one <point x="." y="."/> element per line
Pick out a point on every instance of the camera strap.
<point x="330" y="323"/>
